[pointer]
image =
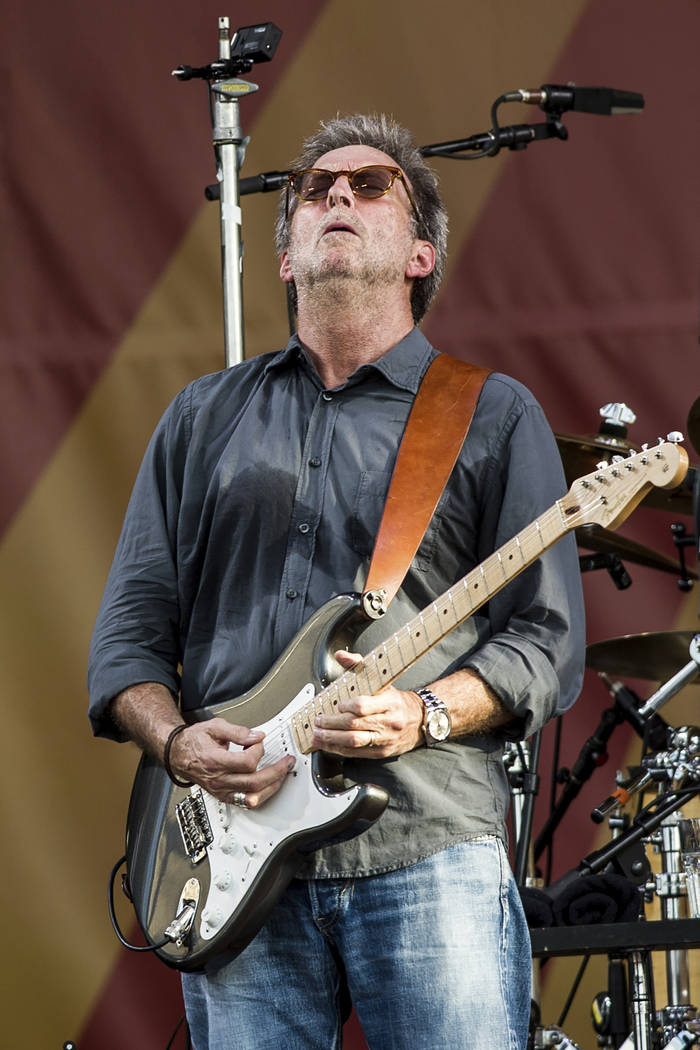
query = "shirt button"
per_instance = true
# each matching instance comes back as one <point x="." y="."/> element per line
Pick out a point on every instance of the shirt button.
<point x="304" y="528"/>
<point x="292" y="594"/>
<point x="326" y="396"/>
<point x="315" y="462"/>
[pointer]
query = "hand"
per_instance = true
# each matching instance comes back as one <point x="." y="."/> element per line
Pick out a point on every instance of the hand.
<point x="388" y="723"/>
<point x="201" y="753"/>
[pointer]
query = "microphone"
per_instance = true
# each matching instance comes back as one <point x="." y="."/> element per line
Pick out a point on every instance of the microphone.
<point x="556" y="98"/>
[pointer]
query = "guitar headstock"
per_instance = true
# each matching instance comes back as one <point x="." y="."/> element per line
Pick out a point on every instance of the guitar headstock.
<point x="610" y="493"/>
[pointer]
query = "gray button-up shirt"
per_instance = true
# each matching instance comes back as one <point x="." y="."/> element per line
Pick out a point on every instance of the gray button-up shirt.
<point x="259" y="499"/>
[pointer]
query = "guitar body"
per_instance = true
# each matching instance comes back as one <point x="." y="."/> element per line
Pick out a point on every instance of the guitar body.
<point x="184" y="845"/>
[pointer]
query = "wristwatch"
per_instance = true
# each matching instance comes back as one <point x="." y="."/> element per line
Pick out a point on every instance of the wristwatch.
<point x="436" y="718"/>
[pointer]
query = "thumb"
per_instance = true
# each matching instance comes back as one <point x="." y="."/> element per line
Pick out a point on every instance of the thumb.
<point x="348" y="660"/>
<point x="232" y="733"/>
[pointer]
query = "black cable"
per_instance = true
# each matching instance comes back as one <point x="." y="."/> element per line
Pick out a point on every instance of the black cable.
<point x="178" y="1026"/>
<point x="574" y="988"/>
<point x="113" y="916"/>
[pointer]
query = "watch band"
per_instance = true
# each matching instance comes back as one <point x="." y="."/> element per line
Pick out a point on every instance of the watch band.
<point x="436" y="721"/>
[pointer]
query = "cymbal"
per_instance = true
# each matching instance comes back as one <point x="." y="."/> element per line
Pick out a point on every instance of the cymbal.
<point x="604" y="541"/>
<point x="581" y="453"/>
<point x="656" y="657"/>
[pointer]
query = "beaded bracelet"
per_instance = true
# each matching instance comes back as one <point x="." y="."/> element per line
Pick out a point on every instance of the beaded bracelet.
<point x="166" y="757"/>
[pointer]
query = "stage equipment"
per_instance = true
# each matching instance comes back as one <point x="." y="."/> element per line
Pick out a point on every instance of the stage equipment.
<point x="653" y="656"/>
<point x="237" y="55"/>
<point x="593" y="538"/>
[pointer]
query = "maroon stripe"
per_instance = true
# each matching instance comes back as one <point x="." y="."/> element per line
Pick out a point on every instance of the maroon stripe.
<point x="107" y="164"/>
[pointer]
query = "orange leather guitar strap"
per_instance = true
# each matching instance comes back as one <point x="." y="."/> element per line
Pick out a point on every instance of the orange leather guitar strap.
<point x="435" y="432"/>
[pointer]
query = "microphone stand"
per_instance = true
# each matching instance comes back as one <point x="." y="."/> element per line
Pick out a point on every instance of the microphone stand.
<point x="594" y="751"/>
<point x="228" y="147"/>
<point x="257" y="43"/>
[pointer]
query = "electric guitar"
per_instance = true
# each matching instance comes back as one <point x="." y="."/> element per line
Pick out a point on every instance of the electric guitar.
<point x="203" y="875"/>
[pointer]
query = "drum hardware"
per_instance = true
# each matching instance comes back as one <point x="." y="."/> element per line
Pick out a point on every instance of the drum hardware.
<point x="654" y="656"/>
<point x="618" y="573"/>
<point x="676" y="763"/>
<point x="553" y="1036"/>
<point x="683" y="540"/>
<point x="594" y="752"/>
<point x="687" y="674"/>
<point x="606" y="542"/>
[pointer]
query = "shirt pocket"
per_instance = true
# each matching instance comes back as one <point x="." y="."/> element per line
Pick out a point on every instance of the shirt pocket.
<point x="368" y="507"/>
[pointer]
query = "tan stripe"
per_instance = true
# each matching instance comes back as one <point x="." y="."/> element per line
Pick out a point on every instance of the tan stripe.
<point x="64" y="795"/>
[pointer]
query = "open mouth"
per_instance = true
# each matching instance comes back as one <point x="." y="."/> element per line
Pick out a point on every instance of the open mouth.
<point x="339" y="227"/>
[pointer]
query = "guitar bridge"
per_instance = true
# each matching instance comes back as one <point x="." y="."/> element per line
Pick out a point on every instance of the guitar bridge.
<point x="194" y="825"/>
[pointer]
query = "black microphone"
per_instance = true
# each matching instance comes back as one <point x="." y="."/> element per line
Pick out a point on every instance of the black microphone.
<point x="556" y="98"/>
<point x="654" y="728"/>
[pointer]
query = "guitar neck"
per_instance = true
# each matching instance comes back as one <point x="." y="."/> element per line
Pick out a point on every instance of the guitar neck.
<point x="387" y="661"/>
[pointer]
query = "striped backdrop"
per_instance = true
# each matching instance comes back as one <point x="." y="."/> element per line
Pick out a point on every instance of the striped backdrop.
<point x="573" y="266"/>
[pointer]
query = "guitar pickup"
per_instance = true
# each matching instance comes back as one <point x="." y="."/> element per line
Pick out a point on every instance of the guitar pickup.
<point x="193" y="821"/>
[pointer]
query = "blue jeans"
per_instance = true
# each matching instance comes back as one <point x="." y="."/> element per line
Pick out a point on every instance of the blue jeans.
<point x="435" y="956"/>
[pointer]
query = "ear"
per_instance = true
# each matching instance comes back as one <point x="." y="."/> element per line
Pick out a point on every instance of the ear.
<point x="285" y="268"/>
<point x="422" y="260"/>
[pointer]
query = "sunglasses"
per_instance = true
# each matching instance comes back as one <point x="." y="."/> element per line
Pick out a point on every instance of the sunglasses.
<point x="371" y="182"/>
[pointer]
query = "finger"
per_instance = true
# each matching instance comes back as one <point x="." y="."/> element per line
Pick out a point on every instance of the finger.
<point x="229" y="731"/>
<point x="348" y="660"/>
<point x="355" y="713"/>
<point x="349" y="743"/>
<point x="261" y="785"/>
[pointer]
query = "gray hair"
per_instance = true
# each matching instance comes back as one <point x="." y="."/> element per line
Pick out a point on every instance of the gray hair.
<point x="385" y="134"/>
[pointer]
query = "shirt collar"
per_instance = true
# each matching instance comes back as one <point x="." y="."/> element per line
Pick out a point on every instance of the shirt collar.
<point x="404" y="365"/>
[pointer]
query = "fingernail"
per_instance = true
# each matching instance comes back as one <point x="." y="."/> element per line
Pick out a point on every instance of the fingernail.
<point x="291" y="763"/>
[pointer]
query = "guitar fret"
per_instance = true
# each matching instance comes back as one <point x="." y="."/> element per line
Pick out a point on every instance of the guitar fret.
<point x="302" y="729"/>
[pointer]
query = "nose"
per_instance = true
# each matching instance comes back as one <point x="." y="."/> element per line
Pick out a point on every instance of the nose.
<point x="340" y="193"/>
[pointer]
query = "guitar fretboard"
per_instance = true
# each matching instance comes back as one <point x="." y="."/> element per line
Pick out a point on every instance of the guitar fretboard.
<point x="387" y="661"/>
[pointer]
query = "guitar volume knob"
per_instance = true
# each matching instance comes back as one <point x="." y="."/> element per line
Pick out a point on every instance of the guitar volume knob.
<point x="227" y="843"/>
<point x="212" y="917"/>
<point x="223" y="880"/>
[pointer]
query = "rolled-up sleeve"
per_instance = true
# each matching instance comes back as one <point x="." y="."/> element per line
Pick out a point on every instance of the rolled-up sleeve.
<point x="533" y="658"/>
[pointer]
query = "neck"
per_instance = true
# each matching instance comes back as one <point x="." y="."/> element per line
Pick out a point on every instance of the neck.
<point x="345" y="332"/>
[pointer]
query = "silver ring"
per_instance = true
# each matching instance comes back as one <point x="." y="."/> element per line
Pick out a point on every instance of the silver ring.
<point x="238" y="799"/>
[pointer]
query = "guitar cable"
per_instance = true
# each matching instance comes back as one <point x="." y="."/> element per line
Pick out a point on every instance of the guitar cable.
<point x="113" y="916"/>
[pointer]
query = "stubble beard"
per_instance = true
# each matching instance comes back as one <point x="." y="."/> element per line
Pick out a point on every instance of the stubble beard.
<point x="341" y="280"/>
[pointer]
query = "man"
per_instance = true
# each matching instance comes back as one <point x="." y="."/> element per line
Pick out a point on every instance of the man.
<point x="258" y="500"/>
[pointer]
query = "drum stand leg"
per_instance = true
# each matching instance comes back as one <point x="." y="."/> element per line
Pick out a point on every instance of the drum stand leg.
<point x="670" y="888"/>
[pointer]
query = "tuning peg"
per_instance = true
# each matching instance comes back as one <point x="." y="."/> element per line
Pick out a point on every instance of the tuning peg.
<point x="602" y="465"/>
<point x="675" y="436"/>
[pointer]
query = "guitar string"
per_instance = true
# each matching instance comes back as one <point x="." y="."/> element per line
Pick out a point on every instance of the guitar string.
<point x="275" y="739"/>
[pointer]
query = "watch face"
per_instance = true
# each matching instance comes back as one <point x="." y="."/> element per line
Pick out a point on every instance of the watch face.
<point x="438" y="725"/>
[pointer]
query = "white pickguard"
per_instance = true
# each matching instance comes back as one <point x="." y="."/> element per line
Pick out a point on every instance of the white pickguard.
<point x="244" y="839"/>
